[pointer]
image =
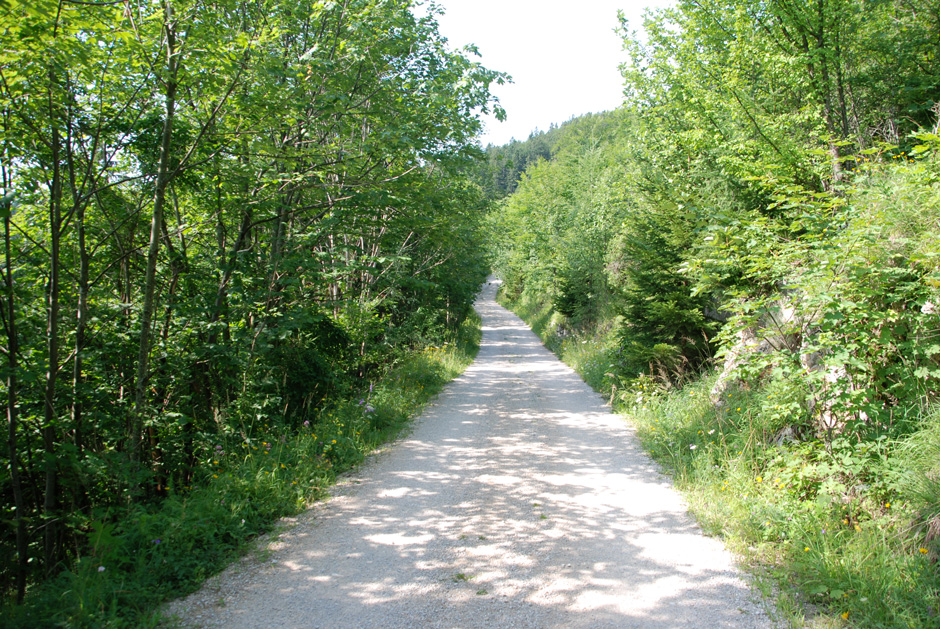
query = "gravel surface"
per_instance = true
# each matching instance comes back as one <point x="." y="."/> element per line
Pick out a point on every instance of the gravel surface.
<point x="518" y="500"/>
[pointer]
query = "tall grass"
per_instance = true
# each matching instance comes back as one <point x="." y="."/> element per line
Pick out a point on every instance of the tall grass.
<point x="245" y="484"/>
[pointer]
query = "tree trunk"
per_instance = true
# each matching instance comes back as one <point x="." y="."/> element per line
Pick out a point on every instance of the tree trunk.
<point x="81" y="327"/>
<point x="153" y="251"/>
<point x="22" y="549"/>
<point x="52" y="348"/>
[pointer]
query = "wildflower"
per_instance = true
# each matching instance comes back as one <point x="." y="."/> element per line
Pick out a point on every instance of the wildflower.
<point x="887" y="505"/>
<point x="156" y="541"/>
<point x="100" y="568"/>
<point x="806" y="550"/>
<point x="760" y="479"/>
<point x="306" y="423"/>
<point x="845" y="616"/>
<point x="739" y="408"/>
<point x="712" y="431"/>
<point x="923" y="551"/>
<point x="692" y="447"/>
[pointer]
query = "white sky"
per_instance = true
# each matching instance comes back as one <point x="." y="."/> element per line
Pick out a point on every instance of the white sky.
<point x="562" y="56"/>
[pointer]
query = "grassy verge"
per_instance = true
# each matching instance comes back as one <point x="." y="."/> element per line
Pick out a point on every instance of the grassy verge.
<point x="245" y="485"/>
<point x="842" y="534"/>
<point x="589" y="352"/>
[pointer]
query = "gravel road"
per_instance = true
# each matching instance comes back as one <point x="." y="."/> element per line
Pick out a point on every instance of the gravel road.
<point x="518" y="500"/>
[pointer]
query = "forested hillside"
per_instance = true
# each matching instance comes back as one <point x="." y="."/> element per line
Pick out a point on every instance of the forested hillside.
<point x="745" y="258"/>
<point x="498" y="176"/>
<point x="225" y="224"/>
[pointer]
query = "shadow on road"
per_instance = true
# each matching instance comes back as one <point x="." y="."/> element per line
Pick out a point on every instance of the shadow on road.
<point x="519" y="500"/>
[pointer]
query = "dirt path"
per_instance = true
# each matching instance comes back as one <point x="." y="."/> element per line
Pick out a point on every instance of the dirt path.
<point x="519" y="500"/>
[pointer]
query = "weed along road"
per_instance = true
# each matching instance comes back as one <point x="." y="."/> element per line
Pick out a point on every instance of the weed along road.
<point x="518" y="500"/>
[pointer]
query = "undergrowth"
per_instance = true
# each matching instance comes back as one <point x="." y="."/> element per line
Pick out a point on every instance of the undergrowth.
<point x="247" y="482"/>
<point x="848" y="531"/>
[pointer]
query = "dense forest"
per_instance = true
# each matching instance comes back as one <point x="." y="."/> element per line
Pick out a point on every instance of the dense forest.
<point x="225" y="224"/>
<point x="744" y="257"/>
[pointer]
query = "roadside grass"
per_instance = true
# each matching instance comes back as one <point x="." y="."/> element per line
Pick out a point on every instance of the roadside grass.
<point x="837" y="533"/>
<point x="587" y="352"/>
<point x="244" y="485"/>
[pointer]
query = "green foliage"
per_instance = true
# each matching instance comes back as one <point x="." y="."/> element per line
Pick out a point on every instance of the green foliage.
<point x="244" y="483"/>
<point x="551" y="235"/>
<point x="845" y="512"/>
<point x="842" y="296"/>
<point x="665" y="331"/>
<point x="768" y="206"/>
<point x="832" y="520"/>
<point x="219" y="217"/>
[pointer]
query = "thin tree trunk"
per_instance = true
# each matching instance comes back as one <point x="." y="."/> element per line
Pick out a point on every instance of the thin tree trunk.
<point x="80" y="204"/>
<point x="52" y="349"/>
<point x="81" y="326"/>
<point x="834" y="126"/>
<point x="153" y="251"/>
<point x="22" y="549"/>
<point x="221" y="295"/>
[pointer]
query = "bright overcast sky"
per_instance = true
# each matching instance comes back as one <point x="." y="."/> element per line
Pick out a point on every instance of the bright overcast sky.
<point x="562" y="56"/>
